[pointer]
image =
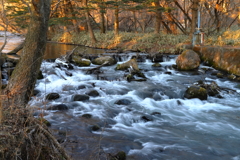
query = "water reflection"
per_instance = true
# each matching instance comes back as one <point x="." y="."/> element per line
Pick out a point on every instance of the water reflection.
<point x="53" y="50"/>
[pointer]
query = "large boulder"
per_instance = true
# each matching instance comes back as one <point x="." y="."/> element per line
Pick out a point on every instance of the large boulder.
<point x="79" y="61"/>
<point x="101" y="60"/>
<point x="132" y="63"/>
<point x="196" y="92"/>
<point x="188" y="60"/>
<point x="224" y="58"/>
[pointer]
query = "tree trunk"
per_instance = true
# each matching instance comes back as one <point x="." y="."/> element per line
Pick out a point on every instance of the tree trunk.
<point x="74" y="21"/>
<point x="116" y="21"/>
<point x="158" y="19"/>
<point x="195" y="4"/>
<point x="23" y="79"/>
<point x="90" y="31"/>
<point x="102" y="12"/>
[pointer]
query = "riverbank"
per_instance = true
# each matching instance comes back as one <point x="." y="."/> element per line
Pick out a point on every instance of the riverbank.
<point x="145" y="42"/>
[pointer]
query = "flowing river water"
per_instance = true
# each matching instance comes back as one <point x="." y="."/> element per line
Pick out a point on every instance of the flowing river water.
<point x="157" y="124"/>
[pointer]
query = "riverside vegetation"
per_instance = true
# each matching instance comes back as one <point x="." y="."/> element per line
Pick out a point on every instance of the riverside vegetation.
<point x="146" y="42"/>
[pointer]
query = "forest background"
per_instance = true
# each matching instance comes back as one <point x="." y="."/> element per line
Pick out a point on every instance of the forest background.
<point x="138" y="25"/>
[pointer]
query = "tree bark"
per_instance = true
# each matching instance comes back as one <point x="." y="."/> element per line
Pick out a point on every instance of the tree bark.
<point x="90" y="31"/>
<point x="23" y="79"/>
<point x="102" y="12"/>
<point x="158" y="19"/>
<point x="195" y="5"/>
<point x="116" y="21"/>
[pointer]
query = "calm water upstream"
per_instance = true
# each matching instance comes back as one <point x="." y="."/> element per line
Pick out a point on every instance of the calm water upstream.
<point x="158" y="124"/>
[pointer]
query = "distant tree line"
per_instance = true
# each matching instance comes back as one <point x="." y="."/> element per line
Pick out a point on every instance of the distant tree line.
<point x="170" y="16"/>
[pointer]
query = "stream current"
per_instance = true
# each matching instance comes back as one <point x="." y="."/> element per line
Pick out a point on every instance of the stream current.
<point x="158" y="123"/>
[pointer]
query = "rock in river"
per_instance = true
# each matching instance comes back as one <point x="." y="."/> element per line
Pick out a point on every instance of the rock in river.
<point x="80" y="97"/>
<point x="188" y="60"/>
<point x="196" y="92"/>
<point x="52" y="96"/>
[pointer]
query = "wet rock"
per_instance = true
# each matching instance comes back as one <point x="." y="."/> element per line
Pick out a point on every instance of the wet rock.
<point x="81" y="87"/>
<point x="119" y="156"/>
<point x="188" y="60"/>
<point x="174" y="66"/>
<point x="79" y="61"/>
<point x="213" y="89"/>
<point x="68" y="88"/>
<point x="196" y="92"/>
<point x="132" y="63"/>
<point x="168" y="72"/>
<point x="156" y="65"/>
<point x="157" y="58"/>
<point x="68" y="73"/>
<point x="232" y="77"/>
<point x="156" y="113"/>
<point x="80" y="97"/>
<point x="146" y="118"/>
<point x="93" y="93"/>
<point x="102" y="60"/>
<point x="52" y="96"/>
<point x="40" y="75"/>
<point x="179" y="102"/>
<point x="58" y="107"/>
<point x="87" y="116"/>
<point x="95" y="128"/>
<point x="122" y="102"/>
<point x="220" y="75"/>
<point x="35" y="92"/>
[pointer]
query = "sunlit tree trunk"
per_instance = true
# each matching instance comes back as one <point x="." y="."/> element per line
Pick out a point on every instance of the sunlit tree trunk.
<point x="116" y="20"/>
<point x="23" y="79"/>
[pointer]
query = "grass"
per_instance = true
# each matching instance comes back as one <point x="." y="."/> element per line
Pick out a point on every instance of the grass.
<point x="146" y="42"/>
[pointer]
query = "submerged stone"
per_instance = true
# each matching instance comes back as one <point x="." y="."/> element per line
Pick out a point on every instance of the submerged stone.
<point x="80" y="97"/>
<point x="87" y="116"/>
<point x="58" y="107"/>
<point x="122" y="102"/>
<point x="93" y="93"/>
<point x="52" y="96"/>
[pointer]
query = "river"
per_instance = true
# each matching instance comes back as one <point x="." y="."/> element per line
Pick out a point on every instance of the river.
<point x="157" y="124"/>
